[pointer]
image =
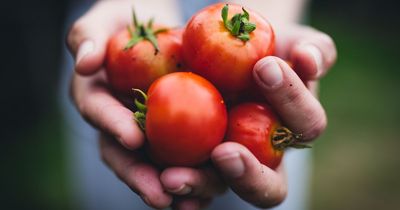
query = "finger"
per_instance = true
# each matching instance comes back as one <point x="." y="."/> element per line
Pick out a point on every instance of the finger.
<point x="251" y="180"/>
<point x="141" y="177"/>
<point x="312" y="52"/>
<point x="191" y="203"/>
<point x="288" y="95"/>
<point x="101" y="109"/>
<point x="88" y="36"/>
<point x="186" y="204"/>
<point x="191" y="181"/>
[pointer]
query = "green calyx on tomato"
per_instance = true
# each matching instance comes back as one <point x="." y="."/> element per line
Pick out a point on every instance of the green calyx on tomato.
<point x="256" y="126"/>
<point x="283" y="138"/>
<point x="142" y="32"/>
<point x="239" y="25"/>
<point x="140" y="114"/>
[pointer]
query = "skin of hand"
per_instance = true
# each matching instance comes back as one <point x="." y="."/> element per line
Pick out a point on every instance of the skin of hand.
<point x="292" y="95"/>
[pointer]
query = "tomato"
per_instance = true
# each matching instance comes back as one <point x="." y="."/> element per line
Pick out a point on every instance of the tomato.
<point x="136" y="65"/>
<point x="255" y="126"/>
<point x="186" y="118"/>
<point x="225" y="54"/>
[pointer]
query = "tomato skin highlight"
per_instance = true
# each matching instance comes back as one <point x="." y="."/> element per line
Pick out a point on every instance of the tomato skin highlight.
<point x="186" y="118"/>
<point x="212" y="52"/>
<point x="138" y="66"/>
<point x="252" y="125"/>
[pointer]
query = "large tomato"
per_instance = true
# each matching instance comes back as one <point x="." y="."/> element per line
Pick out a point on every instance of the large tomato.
<point x="255" y="126"/>
<point x="138" y="56"/>
<point x="186" y="118"/>
<point x="225" y="49"/>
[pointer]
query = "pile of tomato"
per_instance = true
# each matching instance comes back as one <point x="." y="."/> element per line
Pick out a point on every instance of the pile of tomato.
<point x="197" y="82"/>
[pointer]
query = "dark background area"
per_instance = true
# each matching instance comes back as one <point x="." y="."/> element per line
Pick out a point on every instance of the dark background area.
<point x="356" y="161"/>
<point x="33" y="165"/>
<point x="31" y="46"/>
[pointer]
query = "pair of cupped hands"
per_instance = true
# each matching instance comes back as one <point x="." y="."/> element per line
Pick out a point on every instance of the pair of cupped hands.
<point x="291" y="93"/>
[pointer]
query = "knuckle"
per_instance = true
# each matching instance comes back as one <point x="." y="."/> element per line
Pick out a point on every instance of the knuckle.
<point x="329" y="44"/>
<point x="75" y="35"/>
<point x="254" y="191"/>
<point x="106" y="120"/>
<point x="325" y="38"/>
<point x="125" y="171"/>
<point x="267" y="201"/>
<point x="312" y="120"/>
<point x="77" y="28"/>
<point x="263" y="197"/>
<point x="133" y="174"/>
<point x="83" y="109"/>
<point x="281" y="195"/>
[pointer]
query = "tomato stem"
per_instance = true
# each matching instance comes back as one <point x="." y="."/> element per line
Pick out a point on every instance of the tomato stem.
<point x="142" y="32"/>
<point x="239" y="25"/>
<point x="140" y="114"/>
<point x="283" y="138"/>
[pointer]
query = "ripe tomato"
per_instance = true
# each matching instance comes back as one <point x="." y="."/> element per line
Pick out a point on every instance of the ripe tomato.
<point x="225" y="51"/>
<point x="186" y="118"/>
<point x="255" y="126"/>
<point x="137" y="57"/>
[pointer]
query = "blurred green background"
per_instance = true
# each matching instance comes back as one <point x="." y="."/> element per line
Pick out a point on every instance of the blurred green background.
<point x="356" y="165"/>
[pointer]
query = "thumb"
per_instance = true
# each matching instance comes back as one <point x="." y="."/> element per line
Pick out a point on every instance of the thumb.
<point x="251" y="180"/>
<point x="88" y="36"/>
<point x="289" y="97"/>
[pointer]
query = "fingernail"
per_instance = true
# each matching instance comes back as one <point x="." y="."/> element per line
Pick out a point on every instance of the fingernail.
<point x="182" y="190"/>
<point x="270" y="73"/>
<point x="316" y="54"/>
<point x="84" y="49"/>
<point x="231" y="165"/>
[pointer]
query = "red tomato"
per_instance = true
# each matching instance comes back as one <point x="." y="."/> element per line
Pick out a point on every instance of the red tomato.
<point x="223" y="56"/>
<point x="186" y="118"/>
<point x="255" y="126"/>
<point x="139" y="65"/>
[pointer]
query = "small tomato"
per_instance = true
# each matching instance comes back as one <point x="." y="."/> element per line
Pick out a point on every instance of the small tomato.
<point x="185" y="119"/>
<point x="136" y="57"/>
<point x="223" y="45"/>
<point x="255" y="126"/>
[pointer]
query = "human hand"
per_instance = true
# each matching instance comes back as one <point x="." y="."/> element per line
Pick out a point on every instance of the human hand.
<point x="88" y="36"/>
<point x="293" y="96"/>
<point x="292" y="92"/>
<point x="89" y="57"/>
<point x="99" y="107"/>
<point x="121" y="138"/>
<point x="120" y="144"/>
